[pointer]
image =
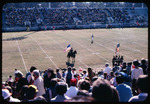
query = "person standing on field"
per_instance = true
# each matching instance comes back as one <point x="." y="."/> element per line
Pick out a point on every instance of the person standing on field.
<point x="92" y="38"/>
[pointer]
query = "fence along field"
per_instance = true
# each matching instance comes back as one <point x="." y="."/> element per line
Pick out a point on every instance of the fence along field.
<point x="44" y="49"/>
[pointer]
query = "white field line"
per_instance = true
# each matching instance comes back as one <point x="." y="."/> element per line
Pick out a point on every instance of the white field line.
<point x="89" y="50"/>
<point x="123" y="45"/>
<point x="21" y="54"/>
<point x="113" y="50"/>
<point x="44" y="52"/>
<point x="64" y="48"/>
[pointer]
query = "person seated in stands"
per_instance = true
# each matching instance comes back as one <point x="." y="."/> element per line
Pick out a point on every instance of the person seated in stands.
<point x="143" y="89"/>
<point x="103" y="92"/>
<point x="128" y="68"/>
<point x="47" y="78"/>
<point x="125" y="92"/>
<point x="58" y="73"/>
<point x="72" y="90"/>
<point x="38" y="82"/>
<point x="19" y="78"/>
<point x="61" y="89"/>
<point x="6" y="96"/>
<point x="144" y="66"/>
<point x="81" y="98"/>
<point x="107" y="69"/>
<point x="115" y="68"/>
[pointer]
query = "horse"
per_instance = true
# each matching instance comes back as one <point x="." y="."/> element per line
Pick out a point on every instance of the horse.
<point x="71" y="54"/>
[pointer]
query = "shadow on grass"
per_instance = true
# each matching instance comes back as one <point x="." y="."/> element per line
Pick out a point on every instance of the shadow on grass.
<point x="19" y="38"/>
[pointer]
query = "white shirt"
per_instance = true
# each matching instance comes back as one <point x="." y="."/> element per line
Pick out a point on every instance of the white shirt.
<point x="107" y="69"/>
<point x="136" y="73"/>
<point x="85" y="75"/>
<point x="14" y="99"/>
<point x="72" y="91"/>
<point x="40" y="86"/>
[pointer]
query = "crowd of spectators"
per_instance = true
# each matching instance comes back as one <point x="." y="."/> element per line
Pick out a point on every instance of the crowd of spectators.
<point x="61" y="16"/>
<point x="119" y="83"/>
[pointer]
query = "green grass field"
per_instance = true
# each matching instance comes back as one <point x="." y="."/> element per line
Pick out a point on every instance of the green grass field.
<point x="45" y="49"/>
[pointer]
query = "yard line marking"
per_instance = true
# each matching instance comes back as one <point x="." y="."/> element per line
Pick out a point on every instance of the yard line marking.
<point x="21" y="54"/>
<point x="88" y="49"/>
<point x="45" y="52"/>
<point x="64" y="47"/>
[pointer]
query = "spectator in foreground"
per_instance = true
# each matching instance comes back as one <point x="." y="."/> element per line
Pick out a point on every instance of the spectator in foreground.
<point x="72" y="90"/>
<point x="81" y="98"/>
<point x="38" y="82"/>
<point x="61" y="89"/>
<point x="143" y="89"/>
<point x="7" y="96"/>
<point x="51" y="91"/>
<point x="125" y="92"/>
<point x="143" y="66"/>
<point x="21" y="81"/>
<point x="102" y="91"/>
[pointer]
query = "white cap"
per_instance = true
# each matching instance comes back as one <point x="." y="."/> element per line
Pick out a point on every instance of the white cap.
<point x="5" y="93"/>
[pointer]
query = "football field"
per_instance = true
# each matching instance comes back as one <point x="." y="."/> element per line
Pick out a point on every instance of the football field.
<point x="45" y="49"/>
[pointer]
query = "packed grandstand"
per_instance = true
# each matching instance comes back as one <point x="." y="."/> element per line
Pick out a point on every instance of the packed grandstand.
<point x="74" y="17"/>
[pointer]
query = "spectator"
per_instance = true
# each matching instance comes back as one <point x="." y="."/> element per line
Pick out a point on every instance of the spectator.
<point x="102" y="91"/>
<point x="7" y="96"/>
<point x="84" y="74"/>
<point x="115" y="95"/>
<point x="128" y="68"/>
<point x="136" y="72"/>
<point x="81" y="98"/>
<point x="58" y="73"/>
<point x="31" y="70"/>
<point x="125" y="92"/>
<point x="111" y="75"/>
<point x="31" y="93"/>
<point x="107" y="69"/>
<point x="47" y="78"/>
<point x="38" y="82"/>
<point x="74" y="71"/>
<point x="23" y="92"/>
<point x="29" y="75"/>
<point x="115" y="68"/>
<point x="19" y="78"/>
<point x="143" y="66"/>
<point x="123" y="66"/>
<point x="83" y="93"/>
<point x="38" y="99"/>
<point x="61" y="89"/>
<point x="72" y="90"/>
<point x="143" y="89"/>
<point x="90" y="74"/>
<point x="10" y="78"/>
<point x="85" y="85"/>
<point x="68" y="76"/>
<point x="51" y="91"/>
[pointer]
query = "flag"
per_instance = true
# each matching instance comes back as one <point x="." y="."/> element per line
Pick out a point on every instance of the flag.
<point x="117" y="48"/>
<point x="68" y="48"/>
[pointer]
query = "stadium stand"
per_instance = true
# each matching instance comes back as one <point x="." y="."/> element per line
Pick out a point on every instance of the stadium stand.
<point x="40" y="17"/>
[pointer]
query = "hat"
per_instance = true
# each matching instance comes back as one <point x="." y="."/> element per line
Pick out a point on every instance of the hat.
<point x="73" y="81"/>
<point x="34" y="87"/>
<point x="136" y="62"/>
<point x="6" y="93"/>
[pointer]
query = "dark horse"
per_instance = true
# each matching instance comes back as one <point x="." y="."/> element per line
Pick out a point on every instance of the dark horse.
<point x="72" y="54"/>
